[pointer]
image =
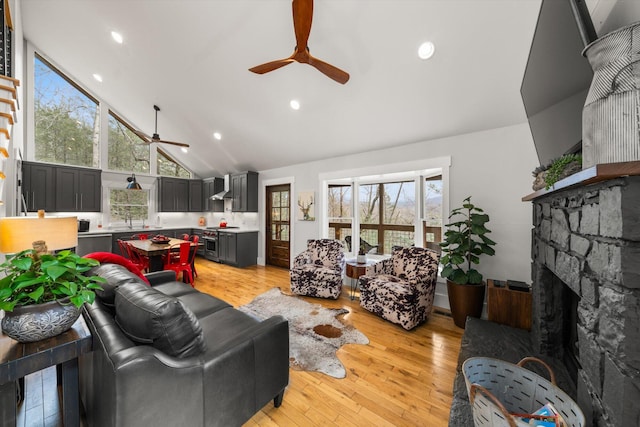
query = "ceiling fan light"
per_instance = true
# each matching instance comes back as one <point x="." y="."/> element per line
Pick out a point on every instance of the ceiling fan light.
<point x="426" y="50"/>
<point x="184" y="149"/>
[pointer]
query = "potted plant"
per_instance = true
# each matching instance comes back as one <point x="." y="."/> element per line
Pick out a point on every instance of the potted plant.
<point x="464" y="242"/>
<point x="42" y="293"/>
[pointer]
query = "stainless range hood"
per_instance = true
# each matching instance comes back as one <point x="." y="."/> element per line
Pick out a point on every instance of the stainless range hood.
<point x="221" y="195"/>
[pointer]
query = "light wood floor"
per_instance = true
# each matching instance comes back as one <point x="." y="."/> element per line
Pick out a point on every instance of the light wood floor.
<point x="400" y="379"/>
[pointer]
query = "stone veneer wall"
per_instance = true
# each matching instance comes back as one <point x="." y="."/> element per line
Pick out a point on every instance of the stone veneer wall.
<point x="589" y="238"/>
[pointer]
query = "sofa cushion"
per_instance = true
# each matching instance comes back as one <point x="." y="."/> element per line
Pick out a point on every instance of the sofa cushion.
<point x="148" y="316"/>
<point x="115" y="276"/>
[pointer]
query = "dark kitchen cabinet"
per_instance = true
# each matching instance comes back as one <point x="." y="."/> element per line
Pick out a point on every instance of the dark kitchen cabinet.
<point x="238" y="249"/>
<point x="195" y="195"/>
<point x="38" y="183"/>
<point x="244" y="187"/>
<point x="173" y="194"/>
<point x="78" y="190"/>
<point x="213" y="186"/>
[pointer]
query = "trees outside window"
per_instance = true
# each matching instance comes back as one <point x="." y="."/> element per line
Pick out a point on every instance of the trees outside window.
<point x="67" y="119"/>
<point x="387" y="214"/>
<point x="127" y="151"/>
<point x="433" y="209"/>
<point x="169" y="167"/>
<point x="340" y="202"/>
<point x="128" y="204"/>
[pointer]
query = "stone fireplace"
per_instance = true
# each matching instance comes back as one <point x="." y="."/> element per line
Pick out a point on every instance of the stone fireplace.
<point x="586" y="288"/>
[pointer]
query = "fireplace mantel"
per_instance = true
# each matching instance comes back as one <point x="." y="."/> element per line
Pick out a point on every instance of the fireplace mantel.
<point x="597" y="173"/>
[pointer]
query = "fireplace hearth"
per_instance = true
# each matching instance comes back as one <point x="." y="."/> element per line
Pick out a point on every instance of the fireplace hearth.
<point x="586" y="292"/>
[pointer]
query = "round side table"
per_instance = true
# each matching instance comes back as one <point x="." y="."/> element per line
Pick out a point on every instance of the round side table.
<point x="354" y="271"/>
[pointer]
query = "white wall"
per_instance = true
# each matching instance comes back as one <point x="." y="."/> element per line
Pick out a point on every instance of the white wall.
<point x="494" y="167"/>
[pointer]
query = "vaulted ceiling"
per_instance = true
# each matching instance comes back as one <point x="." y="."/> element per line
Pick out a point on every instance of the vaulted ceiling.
<point x="191" y="58"/>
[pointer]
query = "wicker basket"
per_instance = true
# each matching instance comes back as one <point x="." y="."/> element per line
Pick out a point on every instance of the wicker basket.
<point x="498" y="389"/>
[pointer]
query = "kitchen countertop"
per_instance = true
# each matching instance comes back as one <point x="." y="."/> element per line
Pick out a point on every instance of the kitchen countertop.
<point x="155" y="230"/>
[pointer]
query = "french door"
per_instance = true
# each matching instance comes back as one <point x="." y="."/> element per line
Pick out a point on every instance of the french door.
<point x="278" y="225"/>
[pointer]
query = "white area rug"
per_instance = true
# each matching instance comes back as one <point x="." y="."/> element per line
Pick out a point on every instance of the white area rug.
<point x="315" y="332"/>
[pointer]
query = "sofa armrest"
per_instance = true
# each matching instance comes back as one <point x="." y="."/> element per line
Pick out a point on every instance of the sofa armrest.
<point x="160" y="277"/>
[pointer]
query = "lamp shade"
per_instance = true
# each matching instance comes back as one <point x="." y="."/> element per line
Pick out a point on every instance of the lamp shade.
<point x="19" y="233"/>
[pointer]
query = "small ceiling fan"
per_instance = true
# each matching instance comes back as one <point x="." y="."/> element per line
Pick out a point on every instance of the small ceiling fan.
<point x="302" y="17"/>
<point x="156" y="138"/>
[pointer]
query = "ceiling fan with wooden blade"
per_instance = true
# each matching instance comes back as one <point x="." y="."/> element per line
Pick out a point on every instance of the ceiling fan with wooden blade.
<point x="302" y="17"/>
<point x="155" y="137"/>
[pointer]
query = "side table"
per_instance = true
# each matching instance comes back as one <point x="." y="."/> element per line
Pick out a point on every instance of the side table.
<point x="18" y="360"/>
<point x="354" y="270"/>
<point x="508" y="307"/>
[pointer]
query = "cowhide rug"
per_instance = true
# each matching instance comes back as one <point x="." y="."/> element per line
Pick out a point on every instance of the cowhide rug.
<point x="315" y="332"/>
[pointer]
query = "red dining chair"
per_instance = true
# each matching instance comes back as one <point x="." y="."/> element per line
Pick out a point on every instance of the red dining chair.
<point x="138" y="260"/>
<point x="185" y="236"/>
<point x="195" y="239"/>
<point x="182" y="263"/>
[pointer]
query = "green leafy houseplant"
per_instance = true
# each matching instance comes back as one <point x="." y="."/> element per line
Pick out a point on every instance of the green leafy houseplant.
<point x="33" y="278"/>
<point x="464" y="242"/>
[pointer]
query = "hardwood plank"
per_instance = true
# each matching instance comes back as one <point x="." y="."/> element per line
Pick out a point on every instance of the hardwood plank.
<point x="401" y="378"/>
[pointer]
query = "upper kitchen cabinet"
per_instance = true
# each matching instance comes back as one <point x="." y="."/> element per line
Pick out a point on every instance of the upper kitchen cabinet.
<point x="180" y="195"/>
<point x="244" y="187"/>
<point x="38" y="183"/>
<point x="173" y="194"/>
<point x="213" y="186"/>
<point x="195" y="195"/>
<point x="78" y="189"/>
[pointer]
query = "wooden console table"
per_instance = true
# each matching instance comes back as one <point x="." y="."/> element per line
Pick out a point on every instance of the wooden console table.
<point x="18" y="360"/>
<point x="508" y="307"/>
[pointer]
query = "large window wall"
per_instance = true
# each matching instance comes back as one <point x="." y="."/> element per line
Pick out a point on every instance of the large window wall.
<point x="68" y="125"/>
<point x="389" y="210"/>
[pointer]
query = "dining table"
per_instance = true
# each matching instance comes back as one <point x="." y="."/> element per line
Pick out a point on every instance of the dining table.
<point x="156" y="251"/>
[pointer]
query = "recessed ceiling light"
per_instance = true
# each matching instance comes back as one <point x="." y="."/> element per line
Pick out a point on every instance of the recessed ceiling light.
<point x="295" y="104"/>
<point x="426" y="50"/>
<point x="185" y="150"/>
<point x="98" y="77"/>
<point x="117" y="37"/>
<point x="217" y="135"/>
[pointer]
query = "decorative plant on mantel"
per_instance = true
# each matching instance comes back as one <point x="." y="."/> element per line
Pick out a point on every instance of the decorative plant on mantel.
<point x="33" y="278"/>
<point x="464" y="242"/>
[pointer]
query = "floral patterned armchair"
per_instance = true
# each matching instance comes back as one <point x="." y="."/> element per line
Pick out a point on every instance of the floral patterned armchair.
<point x="402" y="288"/>
<point x="317" y="272"/>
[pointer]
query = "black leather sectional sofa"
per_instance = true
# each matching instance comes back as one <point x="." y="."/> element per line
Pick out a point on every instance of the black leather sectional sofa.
<point x="169" y="355"/>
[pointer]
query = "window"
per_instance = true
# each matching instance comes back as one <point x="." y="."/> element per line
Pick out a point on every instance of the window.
<point x="340" y="211"/>
<point x="433" y="210"/>
<point x="280" y="215"/>
<point x="128" y="205"/>
<point x="169" y="167"/>
<point x="67" y="119"/>
<point x="395" y="204"/>
<point x="127" y="151"/>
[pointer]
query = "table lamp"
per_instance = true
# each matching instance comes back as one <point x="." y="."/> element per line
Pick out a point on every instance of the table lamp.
<point x="40" y="233"/>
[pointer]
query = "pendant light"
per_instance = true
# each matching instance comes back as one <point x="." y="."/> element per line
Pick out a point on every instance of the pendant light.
<point x="133" y="184"/>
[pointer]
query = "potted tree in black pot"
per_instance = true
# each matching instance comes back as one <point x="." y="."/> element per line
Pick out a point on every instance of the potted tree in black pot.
<point x="464" y="242"/>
